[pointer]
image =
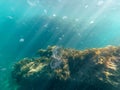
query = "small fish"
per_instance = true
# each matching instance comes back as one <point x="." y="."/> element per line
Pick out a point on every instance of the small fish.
<point x="3" y="69"/>
<point x="10" y="17"/>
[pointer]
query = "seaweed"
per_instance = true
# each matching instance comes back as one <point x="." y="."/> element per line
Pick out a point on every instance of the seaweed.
<point x="61" y="68"/>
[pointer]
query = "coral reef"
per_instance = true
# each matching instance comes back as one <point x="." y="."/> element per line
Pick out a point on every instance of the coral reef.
<point x="60" y="68"/>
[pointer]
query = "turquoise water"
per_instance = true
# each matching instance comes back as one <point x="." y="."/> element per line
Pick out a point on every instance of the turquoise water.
<point x="27" y="25"/>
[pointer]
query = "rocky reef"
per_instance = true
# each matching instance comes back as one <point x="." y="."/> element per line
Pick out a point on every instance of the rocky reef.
<point x="58" y="68"/>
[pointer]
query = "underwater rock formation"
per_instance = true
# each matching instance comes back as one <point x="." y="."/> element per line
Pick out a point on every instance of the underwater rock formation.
<point x="60" y="68"/>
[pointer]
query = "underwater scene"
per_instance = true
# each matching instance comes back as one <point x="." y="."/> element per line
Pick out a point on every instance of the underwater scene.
<point x="59" y="45"/>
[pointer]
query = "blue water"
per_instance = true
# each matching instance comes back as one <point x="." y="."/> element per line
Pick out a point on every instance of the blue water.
<point x="27" y="25"/>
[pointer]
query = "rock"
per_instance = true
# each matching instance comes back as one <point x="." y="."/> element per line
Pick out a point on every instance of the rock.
<point x="68" y="69"/>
